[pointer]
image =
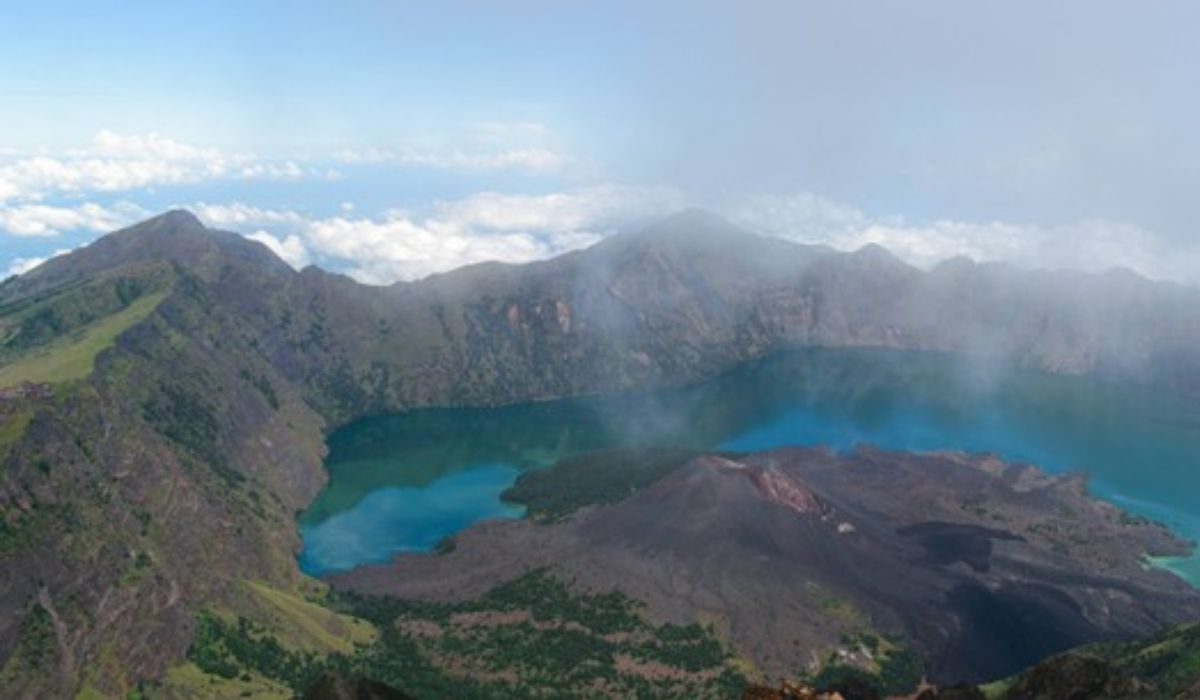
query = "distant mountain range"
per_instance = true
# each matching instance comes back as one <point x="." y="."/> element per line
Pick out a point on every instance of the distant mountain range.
<point x="168" y="389"/>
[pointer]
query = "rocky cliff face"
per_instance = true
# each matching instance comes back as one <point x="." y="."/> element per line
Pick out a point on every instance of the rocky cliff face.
<point x="169" y="461"/>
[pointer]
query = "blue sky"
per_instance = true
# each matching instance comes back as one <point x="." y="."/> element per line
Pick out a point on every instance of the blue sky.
<point x="391" y="140"/>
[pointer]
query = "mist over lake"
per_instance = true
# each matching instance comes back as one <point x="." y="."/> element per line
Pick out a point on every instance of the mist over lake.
<point x="389" y="474"/>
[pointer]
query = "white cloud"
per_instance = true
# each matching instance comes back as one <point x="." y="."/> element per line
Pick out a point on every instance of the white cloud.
<point x="290" y="248"/>
<point x="519" y="228"/>
<point x="239" y="214"/>
<point x="396" y="247"/>
<point x="19" y="266"/>
<point x="600" y="206"/>
<point x="1091" y="245"/>
<point x="45" y="220"/>
<point x="145" y="147"/>
<point x="403" y="245"/>
<point x="515" y="228"/>
<point x="527" y="146"/>
<point x="115" y="162"/>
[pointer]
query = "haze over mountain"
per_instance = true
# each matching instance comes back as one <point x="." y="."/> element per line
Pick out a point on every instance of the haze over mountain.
<point x="769" y="350"/>
<point x="194" y="374"/>
<point x="396" y="140"/>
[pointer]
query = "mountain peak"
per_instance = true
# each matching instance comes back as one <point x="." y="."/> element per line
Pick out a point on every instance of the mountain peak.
<point x="877" y="254"/>
<point x="685" y="229"/>
<point x="696" y="216"/>
<point x="693" y="221"/>
<point x="175" y="218"/>
<point x="172" y="224"/>
<point x="169" y="223"/>
<point x="177" y="236"/>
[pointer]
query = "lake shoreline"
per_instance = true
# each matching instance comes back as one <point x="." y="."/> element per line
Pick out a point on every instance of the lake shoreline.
<point x="1139" y="447"/>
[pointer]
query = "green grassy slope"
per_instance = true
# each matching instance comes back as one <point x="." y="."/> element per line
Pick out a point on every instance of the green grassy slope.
<point x="73" y="356"/>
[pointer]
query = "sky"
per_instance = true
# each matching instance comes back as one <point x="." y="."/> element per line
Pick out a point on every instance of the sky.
<point x="392" y="140"/>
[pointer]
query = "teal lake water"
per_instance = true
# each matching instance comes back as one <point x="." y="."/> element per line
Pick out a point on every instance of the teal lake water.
<point x="404" y="482"/>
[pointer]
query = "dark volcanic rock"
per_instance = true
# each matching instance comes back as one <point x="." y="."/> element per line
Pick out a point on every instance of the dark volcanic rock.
<point x="334" y="687"/>
<point x="965" y="566"/>
<point x="947" y="543"/>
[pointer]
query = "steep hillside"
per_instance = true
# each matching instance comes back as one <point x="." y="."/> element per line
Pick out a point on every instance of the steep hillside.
<point x="1163" y="666"/>
<point x="159" y="473"/>
<point x="181" y="381"/>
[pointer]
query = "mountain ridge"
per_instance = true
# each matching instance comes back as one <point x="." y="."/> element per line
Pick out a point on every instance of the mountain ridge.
<point x="687" y="228"/>
<point x="210" y="409"/>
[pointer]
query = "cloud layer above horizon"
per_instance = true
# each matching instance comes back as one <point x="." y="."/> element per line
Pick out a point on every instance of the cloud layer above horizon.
<point x="105" y="188"/>
<point x="392" y="143"/>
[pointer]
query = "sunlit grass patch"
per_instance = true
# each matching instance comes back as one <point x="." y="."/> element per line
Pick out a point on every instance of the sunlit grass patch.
<point x="74" y="357"/>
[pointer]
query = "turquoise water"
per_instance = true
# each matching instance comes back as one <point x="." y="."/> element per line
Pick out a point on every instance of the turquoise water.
<point x="403" y="482"/>
<point x="397" y="519"/>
